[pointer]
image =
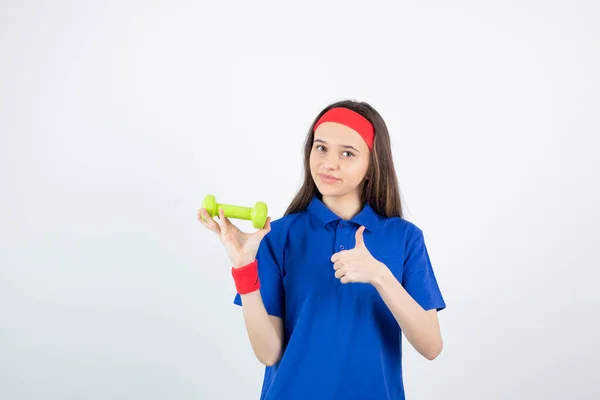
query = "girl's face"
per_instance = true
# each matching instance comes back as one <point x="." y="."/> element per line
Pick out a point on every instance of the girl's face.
<point x="339" y="160"/>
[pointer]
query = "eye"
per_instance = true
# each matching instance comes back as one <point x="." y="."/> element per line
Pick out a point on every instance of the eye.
<point x="346" y="154"/>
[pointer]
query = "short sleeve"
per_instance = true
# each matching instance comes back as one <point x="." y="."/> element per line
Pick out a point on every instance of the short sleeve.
<point x="269" y="260"/>
<point x="418" y="278"/>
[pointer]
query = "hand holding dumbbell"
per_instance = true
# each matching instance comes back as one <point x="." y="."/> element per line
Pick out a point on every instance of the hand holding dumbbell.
<point x="257" y="214"/>
<point x="241" y="247"/>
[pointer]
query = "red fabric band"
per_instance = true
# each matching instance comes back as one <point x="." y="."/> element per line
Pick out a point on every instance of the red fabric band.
<point x="351" y="119"/>
<point x="246" y="278"/>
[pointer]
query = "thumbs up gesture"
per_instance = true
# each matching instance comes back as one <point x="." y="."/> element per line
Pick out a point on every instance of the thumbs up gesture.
<point x="357" y="264"/>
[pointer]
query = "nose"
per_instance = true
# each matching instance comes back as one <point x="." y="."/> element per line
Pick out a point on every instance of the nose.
<point x="331" y="161"/>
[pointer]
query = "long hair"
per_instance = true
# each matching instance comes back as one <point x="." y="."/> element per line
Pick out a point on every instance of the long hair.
<point x="380" y="190"/>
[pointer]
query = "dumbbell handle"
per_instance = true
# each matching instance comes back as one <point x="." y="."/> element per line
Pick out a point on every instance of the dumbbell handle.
<point x="238" y="212"/>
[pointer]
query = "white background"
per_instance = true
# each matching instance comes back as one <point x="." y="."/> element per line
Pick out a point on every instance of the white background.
<point x="117" y="118"/>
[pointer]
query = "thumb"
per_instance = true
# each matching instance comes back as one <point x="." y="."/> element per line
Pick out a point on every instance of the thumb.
<point x="265" y="229"/>
<point x="359" y="237"/>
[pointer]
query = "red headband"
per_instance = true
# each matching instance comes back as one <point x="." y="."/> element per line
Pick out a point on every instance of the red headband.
<point x="351" y="119"/>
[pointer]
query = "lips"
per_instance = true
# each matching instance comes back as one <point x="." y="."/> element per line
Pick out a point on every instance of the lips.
<point x="328" y="178"/>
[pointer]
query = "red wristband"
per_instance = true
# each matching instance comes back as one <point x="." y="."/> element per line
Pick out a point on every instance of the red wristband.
<point x="246" y="278"/>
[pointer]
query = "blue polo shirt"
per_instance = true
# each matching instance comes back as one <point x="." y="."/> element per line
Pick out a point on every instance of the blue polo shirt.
<point x="341" y="340"/>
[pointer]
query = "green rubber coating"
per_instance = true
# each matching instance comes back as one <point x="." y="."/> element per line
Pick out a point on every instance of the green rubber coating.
<point x="257" y="214"/>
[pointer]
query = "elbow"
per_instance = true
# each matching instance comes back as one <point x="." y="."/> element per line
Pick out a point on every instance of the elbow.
<point x="434" y="352"/>
<point x="270" y="357"/>
<point x="268" y="352"/>
<point x="268" y="361"/>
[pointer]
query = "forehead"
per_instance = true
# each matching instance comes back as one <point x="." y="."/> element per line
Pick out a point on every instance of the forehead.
<point x="334" y="133"/>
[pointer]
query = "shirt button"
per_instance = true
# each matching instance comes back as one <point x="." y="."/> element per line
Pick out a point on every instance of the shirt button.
<point x="340" y="225"/>
<point x="342" y="247"/>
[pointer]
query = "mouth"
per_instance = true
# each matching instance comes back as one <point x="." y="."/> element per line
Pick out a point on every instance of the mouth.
<point x="328" y="178"/>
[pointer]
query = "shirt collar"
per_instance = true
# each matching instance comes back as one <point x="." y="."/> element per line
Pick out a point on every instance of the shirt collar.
<point x="367" y="217"/>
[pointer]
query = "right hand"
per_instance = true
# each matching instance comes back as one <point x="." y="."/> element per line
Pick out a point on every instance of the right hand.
<point x="241" y="247"/>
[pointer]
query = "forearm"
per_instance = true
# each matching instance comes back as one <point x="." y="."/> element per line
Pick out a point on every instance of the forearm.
<point x="265" y="339"/>
<point x="419" y="328"/>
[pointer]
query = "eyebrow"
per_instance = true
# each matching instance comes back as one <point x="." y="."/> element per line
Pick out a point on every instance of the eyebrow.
<point x="343" y="145"/>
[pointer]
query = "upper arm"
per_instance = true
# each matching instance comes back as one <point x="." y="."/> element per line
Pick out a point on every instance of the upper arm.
<point x="418" y="278"/>
<point x="433" y="316"/>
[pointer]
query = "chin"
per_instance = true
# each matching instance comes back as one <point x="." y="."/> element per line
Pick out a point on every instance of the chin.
<point x="327" y="191"/>
<point x="332" y="192"/>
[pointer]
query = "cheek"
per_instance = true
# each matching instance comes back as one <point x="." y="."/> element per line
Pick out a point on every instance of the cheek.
<point x="312" y="161"/>
<point x="358" y="172"/>
<point x="359" y="167"/>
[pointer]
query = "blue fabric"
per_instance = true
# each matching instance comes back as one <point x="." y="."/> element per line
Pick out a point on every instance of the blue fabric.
<point x="341" y="340"/>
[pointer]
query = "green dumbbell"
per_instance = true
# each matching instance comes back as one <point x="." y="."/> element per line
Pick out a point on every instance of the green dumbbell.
<point x="258" y="214"/>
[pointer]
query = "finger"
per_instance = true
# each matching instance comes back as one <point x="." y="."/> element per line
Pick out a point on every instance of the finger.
<point x="262" y="232"/>
<point x="212" y="223"/>
<point x="201" y="216"/>
<point x="359" y="237"/>
<point x="338" y="256"/>
<point x="340" y="273"/>
<point x="337" y="265"/>
<point x="267" y="228"/>
<point x="226" y="220"/>
<point x="223" y="222"/>
<point x="345" y="279"/>
<point x="207" y="221"/>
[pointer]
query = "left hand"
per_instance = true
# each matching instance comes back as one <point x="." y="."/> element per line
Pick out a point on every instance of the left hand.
<point x="357" y="264"/>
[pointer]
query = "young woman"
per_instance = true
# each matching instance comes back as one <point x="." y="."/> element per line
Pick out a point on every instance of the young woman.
<point x="327" y="289"/>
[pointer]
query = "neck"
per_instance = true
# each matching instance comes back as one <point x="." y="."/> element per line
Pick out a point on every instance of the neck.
<point x="345" y="207"/>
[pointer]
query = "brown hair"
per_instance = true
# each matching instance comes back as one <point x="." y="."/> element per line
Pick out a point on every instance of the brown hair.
<point x="380" y="190"/>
